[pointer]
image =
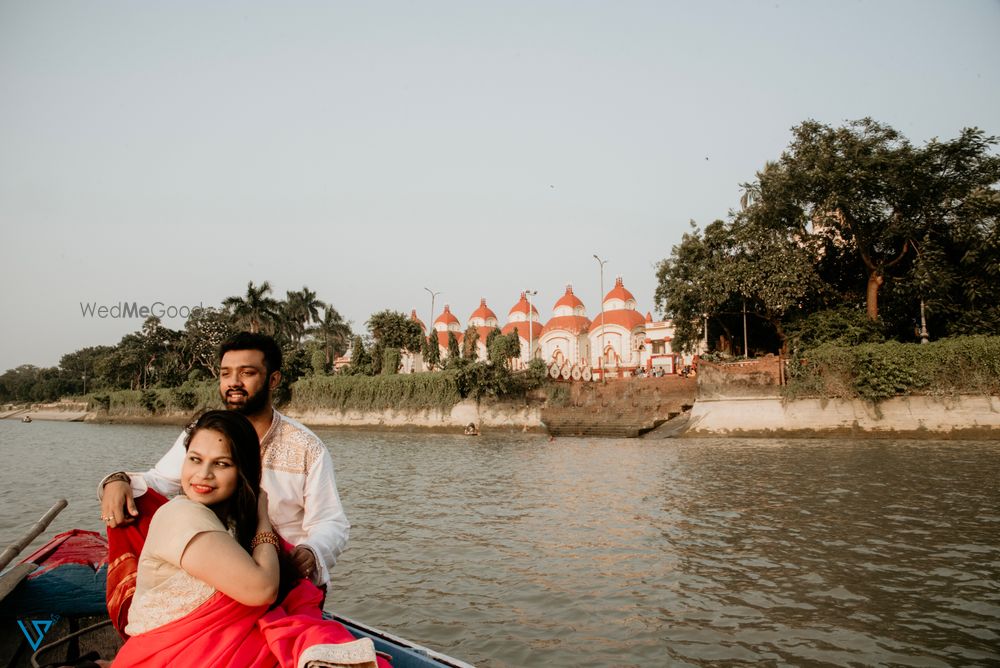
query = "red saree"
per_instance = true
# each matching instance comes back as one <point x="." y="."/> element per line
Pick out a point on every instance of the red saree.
<point x="124" y="546"/>
<point x="224" y="633"/>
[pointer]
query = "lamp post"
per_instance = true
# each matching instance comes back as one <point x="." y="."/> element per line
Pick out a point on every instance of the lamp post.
<point x="431" y="321"/>
<point x="924" y="337"/>
<point x="601" y="263"/>
<point x="531" y="325"/>
<point x="746" y="351"/>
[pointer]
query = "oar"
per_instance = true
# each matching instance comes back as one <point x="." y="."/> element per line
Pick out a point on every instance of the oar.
<point x="40" y="526"/>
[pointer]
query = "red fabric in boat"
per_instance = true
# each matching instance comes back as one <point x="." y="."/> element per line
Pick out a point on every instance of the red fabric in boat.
<point x="76" y="546"/>
<point x="223" y="633"/>
<point x="124" y="546"/>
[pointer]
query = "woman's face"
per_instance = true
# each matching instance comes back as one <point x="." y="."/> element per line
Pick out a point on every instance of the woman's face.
<point x="209" y="473"/>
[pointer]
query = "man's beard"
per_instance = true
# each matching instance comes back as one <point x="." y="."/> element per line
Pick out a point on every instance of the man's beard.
<point x="254" y="404"/>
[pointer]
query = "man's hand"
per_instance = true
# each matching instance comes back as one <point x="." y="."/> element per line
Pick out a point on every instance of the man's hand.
<point x="117" y="505"/>
<point x="305" y="562"/>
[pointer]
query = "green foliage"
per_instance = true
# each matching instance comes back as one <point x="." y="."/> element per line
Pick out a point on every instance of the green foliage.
<point x="318" y="361"/>
<point x="204" y="331"/>
<point x="151" y="401"/>
<point x="371" y="393"/>
<point x="732" y="266"/>
<point x="360" y="360"/>
<point x="256" y="312"/>
<point x="877" y="371"/>
<point x="187" y="398"/>
<point x="840" y="326"/>
<point x="536" y="375"/>
<point x="101" y="401"/>
<point x="390" y="361"/>
<point x="557" y="394"/>
<point x="854" y="218"/>
<point x="184" y="398"/>
<point x="885" y="209"/>
<point x="501" y="348"/>
<point x="453" y="351"/>
<point x="433" y="356"/>
<point x="470" y="350"/>
<point x="332" y="333"/>
<point x="392" y="329"/>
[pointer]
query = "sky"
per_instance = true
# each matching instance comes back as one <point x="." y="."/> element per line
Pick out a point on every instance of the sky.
<point x="166" y="153"/>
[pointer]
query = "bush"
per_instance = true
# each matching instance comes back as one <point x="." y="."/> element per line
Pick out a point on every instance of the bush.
<point x="961" y="365"/>
<point x="184" y="398"/>
<point x="151" y="401"/>
<point x="357" y="392"/>
<point x="842" y="326"/>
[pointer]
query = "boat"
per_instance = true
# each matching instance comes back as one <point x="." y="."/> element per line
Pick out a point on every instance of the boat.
<point x="53" y="608"/>
<point x="26" y="419"/>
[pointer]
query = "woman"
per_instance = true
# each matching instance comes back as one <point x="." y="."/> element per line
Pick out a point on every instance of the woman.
<point x="210" y="569"/>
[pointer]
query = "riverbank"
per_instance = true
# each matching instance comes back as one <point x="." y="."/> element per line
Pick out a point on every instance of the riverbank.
<point x="918" y="417"/>
<point x="717" y="412"/>
<point x="511" y="416"/>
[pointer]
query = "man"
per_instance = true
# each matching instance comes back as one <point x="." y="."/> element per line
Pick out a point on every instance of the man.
<point x="298" y="475"/>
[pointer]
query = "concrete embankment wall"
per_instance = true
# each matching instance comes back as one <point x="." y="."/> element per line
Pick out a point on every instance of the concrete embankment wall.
<point x="973" y="417"/>
<point x="500" y="415"/>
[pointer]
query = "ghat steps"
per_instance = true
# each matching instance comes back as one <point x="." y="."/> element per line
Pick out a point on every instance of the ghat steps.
<point x="619" y="408"/>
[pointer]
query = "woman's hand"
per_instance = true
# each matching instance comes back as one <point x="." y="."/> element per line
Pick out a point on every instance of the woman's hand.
<point x="263" y="521"/>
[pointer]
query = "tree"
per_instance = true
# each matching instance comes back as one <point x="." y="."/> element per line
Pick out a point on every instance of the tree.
<point x="204" y="332"/>
<point x="332" y="333"/>
<point x="77" y="369"/>
<point x="392" y="329"/>
<point x="433" y="356"/>
<point x="501" y="348"/>
<point x="453" y="351"/>
<point x="733" y="267"/>
<point x="301" y="308"/>
<point x="361" y="362"/>
<point x="256" y="311"/>
<point x="470" y="350"/>
<point x="867" y="190"/>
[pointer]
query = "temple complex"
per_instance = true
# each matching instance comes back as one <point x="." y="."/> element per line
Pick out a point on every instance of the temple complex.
<point x="618" y="342"/>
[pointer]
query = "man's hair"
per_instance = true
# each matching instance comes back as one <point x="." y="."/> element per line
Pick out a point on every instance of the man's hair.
<point x="250" y="341"/>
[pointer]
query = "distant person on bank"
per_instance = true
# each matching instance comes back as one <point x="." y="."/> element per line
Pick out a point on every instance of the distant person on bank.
<point x="298" y="475"/>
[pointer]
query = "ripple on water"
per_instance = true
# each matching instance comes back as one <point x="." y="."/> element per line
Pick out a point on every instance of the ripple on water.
<point x="509" y="550"/>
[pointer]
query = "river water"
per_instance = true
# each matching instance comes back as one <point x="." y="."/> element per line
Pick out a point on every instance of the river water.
<point x="510" y="550"/>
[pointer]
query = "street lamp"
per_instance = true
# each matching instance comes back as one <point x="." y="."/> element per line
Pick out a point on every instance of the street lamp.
<point x="430" y="322"/>
<point x="601" y="297"/>
<point x="531" y="349"/>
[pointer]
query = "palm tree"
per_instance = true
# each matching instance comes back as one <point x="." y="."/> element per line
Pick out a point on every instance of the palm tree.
<point x="333" y="332"/>
<point x="256" y="311"/>
<point x="301" y="308"/>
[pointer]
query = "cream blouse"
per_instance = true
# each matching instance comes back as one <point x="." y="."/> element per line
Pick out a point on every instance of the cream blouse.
<point x="163" y="590"/>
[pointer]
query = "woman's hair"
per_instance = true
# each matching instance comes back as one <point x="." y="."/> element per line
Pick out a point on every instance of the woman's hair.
<point x="240" y="510"/>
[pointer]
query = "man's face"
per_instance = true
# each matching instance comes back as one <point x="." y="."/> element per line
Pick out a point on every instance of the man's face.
<point x="243" y="382"/>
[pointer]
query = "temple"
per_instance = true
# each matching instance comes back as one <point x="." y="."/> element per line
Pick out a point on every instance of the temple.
<point x="618" y="342"/>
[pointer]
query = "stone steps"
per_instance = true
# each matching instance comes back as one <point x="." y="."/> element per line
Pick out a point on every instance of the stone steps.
<point x="624" y="409"/>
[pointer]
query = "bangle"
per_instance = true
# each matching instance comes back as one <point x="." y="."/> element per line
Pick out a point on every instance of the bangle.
<point x="264" y="537"/>
<point x="120" y="476"/>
